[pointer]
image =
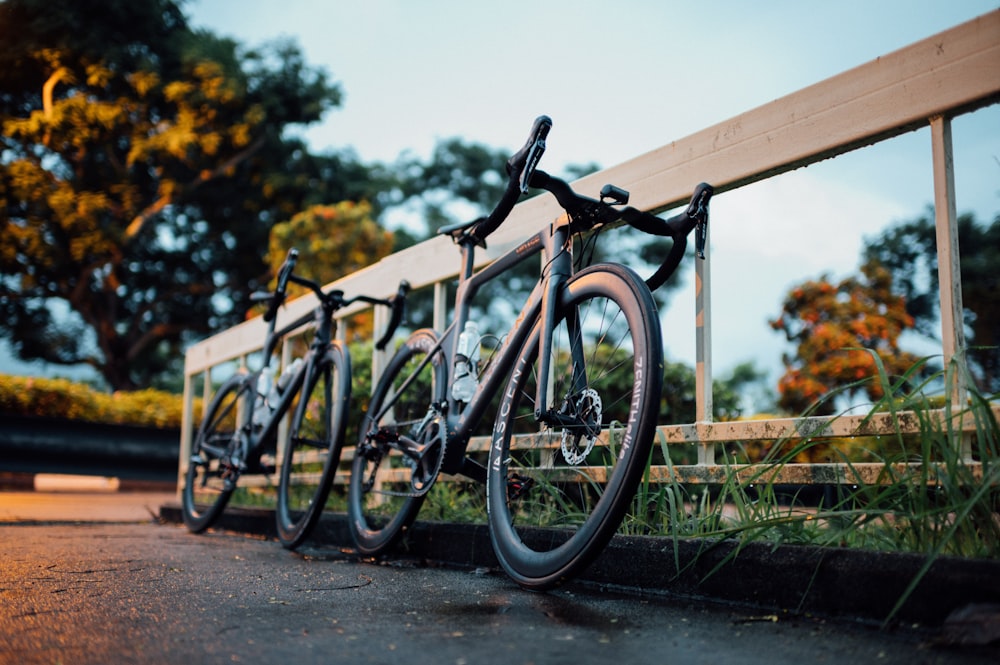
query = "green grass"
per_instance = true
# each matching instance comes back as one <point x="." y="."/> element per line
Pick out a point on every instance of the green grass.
<point x="943" y="507"/>
<point x="949" y="505"/>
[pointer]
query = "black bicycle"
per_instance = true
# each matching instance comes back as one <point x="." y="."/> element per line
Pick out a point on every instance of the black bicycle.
<point x="578" y="375"/>
<point x="240" y="427"/>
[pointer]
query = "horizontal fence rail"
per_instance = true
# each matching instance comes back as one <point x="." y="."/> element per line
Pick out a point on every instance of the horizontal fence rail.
<point x="925" y="84"/>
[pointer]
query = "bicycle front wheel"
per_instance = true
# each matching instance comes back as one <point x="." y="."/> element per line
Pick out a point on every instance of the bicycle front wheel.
<point x="557" y="494"/>
<point x="387" y="487"/>
<point x="312" y="452"/>
<point x="211" y="474"/>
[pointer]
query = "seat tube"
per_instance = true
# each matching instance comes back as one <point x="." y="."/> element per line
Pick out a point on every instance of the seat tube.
<point x="466" y="290"/>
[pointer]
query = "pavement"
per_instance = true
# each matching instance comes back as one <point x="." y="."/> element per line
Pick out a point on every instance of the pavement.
<point x="94" y="578"/>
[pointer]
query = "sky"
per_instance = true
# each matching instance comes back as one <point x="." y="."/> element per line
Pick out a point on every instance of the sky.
<point x="622" y="78"/>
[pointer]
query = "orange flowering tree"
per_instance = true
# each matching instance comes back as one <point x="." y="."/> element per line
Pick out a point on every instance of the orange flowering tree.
<point x="836" y="328"/>
<point x="333" y="241"/>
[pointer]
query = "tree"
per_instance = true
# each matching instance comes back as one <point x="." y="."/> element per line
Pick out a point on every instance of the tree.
<point x="679" y="385"/>
<point x="460" y="181"/>
<point x="837" y="328"/>
<point x="333" y="241"/>
<point x="141" y="167"/>
<point x="909" y="251"/>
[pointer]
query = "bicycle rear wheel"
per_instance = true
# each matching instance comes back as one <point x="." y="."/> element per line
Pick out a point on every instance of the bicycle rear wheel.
<point x="557" y="496"/>
<point x="211" y="477"/>
<point x="387" y="488"/>
<point x="315" y="439"/>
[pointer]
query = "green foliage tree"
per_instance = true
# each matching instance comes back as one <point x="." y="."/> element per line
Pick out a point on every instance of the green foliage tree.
<point x="835" y="327"/>
<point x="909" y="251"/>
<point x="142" y="165"/>
<point x="333" y="241"/>
<point x="679" y="386"/>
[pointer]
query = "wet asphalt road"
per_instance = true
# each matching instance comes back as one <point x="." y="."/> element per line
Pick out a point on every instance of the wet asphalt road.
<point x="142" y="592"/>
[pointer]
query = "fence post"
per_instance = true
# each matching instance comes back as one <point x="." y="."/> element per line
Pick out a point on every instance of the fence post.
<point x="187" y="418"/>
<point x="440" y="318"/>
<point x="703" y="350"/>
<point x="949" y="265"/>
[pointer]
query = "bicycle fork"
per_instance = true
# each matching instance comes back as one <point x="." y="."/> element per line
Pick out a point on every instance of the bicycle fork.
<point x="559" y="272"/>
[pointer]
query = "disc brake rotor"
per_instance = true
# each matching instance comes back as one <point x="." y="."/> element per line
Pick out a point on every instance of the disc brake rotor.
<point x="579" y="440"/>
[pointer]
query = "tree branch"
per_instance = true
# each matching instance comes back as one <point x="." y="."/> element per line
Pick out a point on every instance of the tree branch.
<point x="154" y="334"/>
<point x="142" y="219"/>
<point x="58" y="75"/>
<point x="61" y="73"/>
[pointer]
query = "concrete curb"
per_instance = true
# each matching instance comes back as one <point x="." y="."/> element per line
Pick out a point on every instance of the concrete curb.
<point x="50" y="445"/>
<point x="840" y="583"/>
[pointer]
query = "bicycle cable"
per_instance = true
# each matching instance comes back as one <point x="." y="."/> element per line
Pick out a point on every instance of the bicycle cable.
<point x="588" y="249"/>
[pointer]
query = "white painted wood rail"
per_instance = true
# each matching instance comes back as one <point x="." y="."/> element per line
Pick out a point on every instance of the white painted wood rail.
<point x="924" y="84"/>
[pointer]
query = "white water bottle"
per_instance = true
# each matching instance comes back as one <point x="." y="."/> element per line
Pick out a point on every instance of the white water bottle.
<point x="466" y="363"/>
<point x="287" y="374"/>
<point x="261" y="407"/>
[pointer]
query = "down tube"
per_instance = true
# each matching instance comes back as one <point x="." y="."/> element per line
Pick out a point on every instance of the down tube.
<point x="491" y="380"/>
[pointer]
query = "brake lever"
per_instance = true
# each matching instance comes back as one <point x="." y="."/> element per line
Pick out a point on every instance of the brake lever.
<point x="698" y="209"/>
<point x="534" y="156"/>
<point x="701" y="235"/>
<point x="532" y="152"/>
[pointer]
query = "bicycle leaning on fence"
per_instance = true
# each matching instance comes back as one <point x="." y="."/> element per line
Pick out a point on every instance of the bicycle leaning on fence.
<point x="241" y="423"/>
<point x="578" y="375"/>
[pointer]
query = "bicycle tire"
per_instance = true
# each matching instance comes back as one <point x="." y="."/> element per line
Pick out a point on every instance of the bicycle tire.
<point x="380" y="512"/>
<point x="315" y="440"/>
<point x="207" y="483"/>
<point x="556" y="498"/>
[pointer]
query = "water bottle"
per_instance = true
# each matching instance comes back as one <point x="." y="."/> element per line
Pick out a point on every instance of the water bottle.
<point x="288" y="374"/>
<point x="263" y="404"/>
<point x="466" y="363"/>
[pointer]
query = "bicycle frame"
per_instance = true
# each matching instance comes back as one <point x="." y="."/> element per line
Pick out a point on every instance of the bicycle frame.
<point x="254" y="442"/>
<point x="251" y="443"/>
<point x="554" y="244"/>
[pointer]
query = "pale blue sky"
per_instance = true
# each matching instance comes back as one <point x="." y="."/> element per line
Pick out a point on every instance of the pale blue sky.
<point x="619" y="78"/>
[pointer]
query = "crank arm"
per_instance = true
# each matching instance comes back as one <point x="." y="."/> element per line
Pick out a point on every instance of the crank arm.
<point x="408" y="446"/>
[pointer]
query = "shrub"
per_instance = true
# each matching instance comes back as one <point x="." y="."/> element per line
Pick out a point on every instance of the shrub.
<point x="64" y="399"/>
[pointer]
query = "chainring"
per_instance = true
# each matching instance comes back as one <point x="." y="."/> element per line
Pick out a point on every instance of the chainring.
<point x="424" y="471"/>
